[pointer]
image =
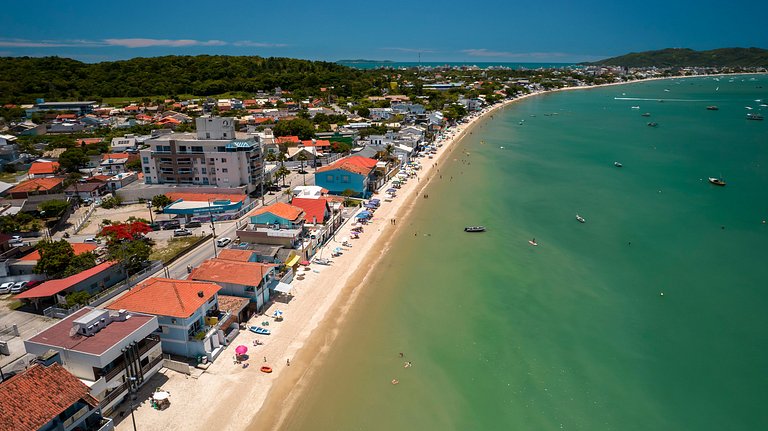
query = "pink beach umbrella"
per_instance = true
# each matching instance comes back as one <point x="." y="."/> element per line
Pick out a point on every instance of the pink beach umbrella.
<point x="240" y="350"/>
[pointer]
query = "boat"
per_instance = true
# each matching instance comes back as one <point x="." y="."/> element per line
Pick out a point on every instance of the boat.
<point x="533" y="242"/>
<point x="474" y="229"/>
<point x="580" y="219"/>
<point x="646" y="114"/>
<point x="754" y="117"/>
<point x="712" y="108"/>
<point x="266" y="369"/>
<point x="652" y="124"/>
<point x="260" y="330"/>
<point x="635" y="107"/>
<point x="716" y="181"/>
<point x="617" y="164"/>
<point x="322" y="261"/>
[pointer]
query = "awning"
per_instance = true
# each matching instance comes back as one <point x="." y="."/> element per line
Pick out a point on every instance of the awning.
<point x="293" y="261"/>
<point x="283" y="287"/>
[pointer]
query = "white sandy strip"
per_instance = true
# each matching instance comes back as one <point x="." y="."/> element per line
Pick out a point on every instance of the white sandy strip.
<point x="229" y="397"/>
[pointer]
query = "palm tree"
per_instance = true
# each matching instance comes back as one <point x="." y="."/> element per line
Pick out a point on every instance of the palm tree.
<point x="282" y="172"/>
<point x="302" y="157"/>
<point x="270" y="157"/>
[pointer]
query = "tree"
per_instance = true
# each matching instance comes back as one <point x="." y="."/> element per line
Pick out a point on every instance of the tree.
<point x="125" y="231"/>
<point x="53" y="208"/>
<point x="132" y="255"/>
<point x="55" y="257"/>
<point x="363" y="112"/>
<point x="300" y="127"/>
<point x="161" y="201"/>
<point x="73" y="159"/>
<point x="270" y="157"/>
<point x="134" y="165"/>
<point x="80" y="297"/>
<point x="282" y="172"/>
<point x="80" y="263"/>
<point x="110" y="202"/>
<point x="348" y="193"/>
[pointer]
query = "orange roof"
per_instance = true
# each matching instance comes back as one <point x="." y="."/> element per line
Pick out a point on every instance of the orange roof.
<point x="66" y="116"/>
<point x="113" y="156"/>
<point x="166" y="297"/>
<point x="280" y="209"/>
<point x="36" y="184"/>
<point x="203" y="197"/>
<point x="89" y="141"/>
<point x="41" y="168"/>
<point x="316" y="143"/>
<point x="78" y="247"/>
<point x="230" y="271"/>
<point x="52" y="287"/>
<point x="288" y="140"/>
<point x="38" y="395"/>
<point x="236" y="255"/>
<point x="314" y="209"/>
<point x="357" y="164"/>
<point x="168" y="120"/>
<point x="131" y="108"/>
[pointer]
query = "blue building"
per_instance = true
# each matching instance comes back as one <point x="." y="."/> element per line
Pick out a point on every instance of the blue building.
<point x="188" y="314"/>
<point x="353" y="173"/>
<point x="240" y="278"/>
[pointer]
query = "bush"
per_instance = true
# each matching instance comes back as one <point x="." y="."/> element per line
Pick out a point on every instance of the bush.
<point x="110" y="202"/>
<point x="77" y="298"/>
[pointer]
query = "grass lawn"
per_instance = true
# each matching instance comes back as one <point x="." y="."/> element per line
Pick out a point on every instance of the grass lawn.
<point x="8" y="177"/>
<point x="174" y="247"/>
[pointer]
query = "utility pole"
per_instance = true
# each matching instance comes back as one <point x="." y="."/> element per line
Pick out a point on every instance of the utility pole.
<point x="213" y="228"/>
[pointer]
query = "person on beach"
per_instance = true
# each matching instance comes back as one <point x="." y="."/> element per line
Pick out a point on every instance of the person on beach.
<point x="288" y="362"/>
<point x="401" y="354"/>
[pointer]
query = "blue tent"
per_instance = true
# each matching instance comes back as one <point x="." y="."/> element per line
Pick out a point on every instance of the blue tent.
<point x="364" y="214"/>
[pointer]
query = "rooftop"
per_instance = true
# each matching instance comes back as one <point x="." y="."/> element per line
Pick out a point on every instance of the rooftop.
<point x="42" y="168"/>
<point x="229" y="271"/>
<point x="57" y="336"/>
<point x="52" y="287"/>
<point x="78" y="247"/>
<point x="356" y="164"/>
<point x="167" y="297"/>
<point x="36" y="184"/>
<point x="235" y="255"/>
<point x="31" y="399"/>
<point x="280" y="209"/>
<point x="314" y="209"/>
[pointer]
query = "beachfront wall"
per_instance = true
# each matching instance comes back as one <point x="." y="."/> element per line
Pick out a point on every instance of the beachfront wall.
<point x="336" y="181"/>
<point x="178" y="335"/>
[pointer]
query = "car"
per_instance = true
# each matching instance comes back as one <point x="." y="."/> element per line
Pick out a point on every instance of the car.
<point x="19" y="287"/>
<point x="190" y="224"/>
<point x="15" y="243"/>
<point x="174" y="224"/>
<point x="182" y="232"/>
<point x="92" y="240"/>
<point x="223" y="241"/>
<point x="6" y="287"/>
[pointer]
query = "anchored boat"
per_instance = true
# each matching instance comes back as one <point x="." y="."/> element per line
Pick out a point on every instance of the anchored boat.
<point x="474" y="229"/>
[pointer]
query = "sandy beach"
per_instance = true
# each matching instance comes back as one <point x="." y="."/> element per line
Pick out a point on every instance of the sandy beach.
<point x="228" y="396"/>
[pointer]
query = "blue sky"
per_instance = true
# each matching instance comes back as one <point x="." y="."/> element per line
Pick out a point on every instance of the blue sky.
<point x="474" y="31"/>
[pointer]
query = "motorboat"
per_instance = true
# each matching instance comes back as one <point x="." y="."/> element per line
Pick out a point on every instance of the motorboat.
<point x="716" y="181"/>
<point x="646" y="114"/>
<point x="635" y="107"/>
<point x="259" y="330"/>
<point x="580" y="219"/>
<point x="652" y="124"/>
<point x="474" y="229"/>
<point x="533" y="242"/>
<point x="754" y="117"/>
<point x="617" y="164"/>
<point x="712" y="108"/>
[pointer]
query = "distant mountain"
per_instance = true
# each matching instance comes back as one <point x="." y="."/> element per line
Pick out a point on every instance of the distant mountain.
<point x="683" y="57"/>
<point x="360" y="60"/>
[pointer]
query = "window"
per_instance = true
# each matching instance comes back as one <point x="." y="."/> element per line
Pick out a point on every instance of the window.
<point x="145" y="159"/>
<point x="329" y="178"/>
<point x="345" y="178"/>
<point x="207" y="135"/>
<point x="204" y="171"/>
<point x="224" y="170"/>
<point x="205" y="180"/>
<point x="146" y="170"/>
<point x="210" y="160"/>
<point x="183" y="148"/>
<point x="223" y="160"/>
<point x="197" y="149"/>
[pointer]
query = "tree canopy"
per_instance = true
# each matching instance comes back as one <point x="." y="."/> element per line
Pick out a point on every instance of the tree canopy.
<point x="73" y="159"/>
<point x="58" y="260"/>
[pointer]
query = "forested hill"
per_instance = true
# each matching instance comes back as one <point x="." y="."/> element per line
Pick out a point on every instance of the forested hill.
<point x="684" y="57"/>
<point x="23" y="78"/>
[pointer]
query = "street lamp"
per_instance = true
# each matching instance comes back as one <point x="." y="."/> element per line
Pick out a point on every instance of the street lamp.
<point x="213" y="228"/>
<point x="149" y="207"/>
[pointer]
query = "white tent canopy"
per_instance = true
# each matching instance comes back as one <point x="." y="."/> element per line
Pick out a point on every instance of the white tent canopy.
<point x="283" y="287"/>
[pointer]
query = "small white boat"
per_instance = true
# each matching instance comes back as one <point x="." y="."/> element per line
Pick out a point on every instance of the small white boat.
<point x="716" y="181"/>
<point x="580" y="219"/>
<point x="635" y="107"/>
<point x="617" y="164"/>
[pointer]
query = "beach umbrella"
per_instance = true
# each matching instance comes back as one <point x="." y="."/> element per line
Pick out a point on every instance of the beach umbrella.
<point x="304" y="262"/>
<point x="363" y="214"/>
<point x="277" y="313"/>
<point x="162" y="395"/>
<point x="240" y="350"/>
<point x="391" y="190"/>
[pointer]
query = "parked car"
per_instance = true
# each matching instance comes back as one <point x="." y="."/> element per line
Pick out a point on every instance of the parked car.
<point x="182" y="232"/>
<point x="6" y="287"/>
<point x="223" y="241"/>
<point x="190" y="224"/>
<point x="92" y="240"/>
<point x="173" y="224"/>
<point x="19" y="287"/>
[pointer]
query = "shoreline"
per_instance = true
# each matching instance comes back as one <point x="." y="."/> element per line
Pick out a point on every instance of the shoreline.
<point x="244" y="398"/>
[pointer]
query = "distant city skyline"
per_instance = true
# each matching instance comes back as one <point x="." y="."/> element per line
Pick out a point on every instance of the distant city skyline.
<point x="492" y="31"/>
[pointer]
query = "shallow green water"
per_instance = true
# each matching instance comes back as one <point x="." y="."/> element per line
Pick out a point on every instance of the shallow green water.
<point x="573" y="334"/>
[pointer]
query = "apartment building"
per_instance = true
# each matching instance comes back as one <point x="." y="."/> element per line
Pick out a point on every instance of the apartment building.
<point x="213" y="156"/>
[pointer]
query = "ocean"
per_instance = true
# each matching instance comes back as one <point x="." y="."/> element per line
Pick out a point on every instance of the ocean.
<point x="481" y="65"/>
<point x="649" y="316"/>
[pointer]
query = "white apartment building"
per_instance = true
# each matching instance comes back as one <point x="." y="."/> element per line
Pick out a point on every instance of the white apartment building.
<point x="212" y="156"/>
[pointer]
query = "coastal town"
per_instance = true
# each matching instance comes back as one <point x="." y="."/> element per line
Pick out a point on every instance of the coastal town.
<point x="156" y="253"/>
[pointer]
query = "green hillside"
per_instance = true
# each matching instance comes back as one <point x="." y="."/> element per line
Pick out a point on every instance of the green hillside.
<point x="684" y="57"/>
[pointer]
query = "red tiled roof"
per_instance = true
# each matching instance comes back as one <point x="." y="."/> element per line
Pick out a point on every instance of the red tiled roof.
<point x="100" y="178"/>
<point x="288" y="140"/>
<point x="114" y="156"/>
<point x="166" y="297"/>
<point x="57" y="335"/>
<point x="78" y="247"/>
<point x="203" y="197"/>
<point x="229" y="271"/>
<point x="316" y="143"/>
<point x="236" y="255"/>
<point x="314" y="209"/>
<point x="41" y="168"/>
<point x="280" y="209"/>
<point x="52" y="287"/>
<point x="357" y="164"/>
<point x="89" y="141"/>
<point x="38" y="395"/>
<point x="36" y="184"/>
<point x="66" y="117"/>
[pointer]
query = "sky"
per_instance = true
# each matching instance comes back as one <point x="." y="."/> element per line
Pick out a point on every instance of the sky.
<point x="564" y="31"/>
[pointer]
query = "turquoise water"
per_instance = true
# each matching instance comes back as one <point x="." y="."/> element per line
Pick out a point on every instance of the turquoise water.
<point x="573" y="334"/>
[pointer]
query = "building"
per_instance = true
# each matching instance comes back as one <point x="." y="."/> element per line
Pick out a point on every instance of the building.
<point x="114" y="163"/>
<point x="43" y="169"/>
<point x="237" y="278"/>
<point x="86" y="190"/>
<point x="94" y="280"/>
<point x="49" y="398"/>
<point x="191" y="324"/>
<point x="8" y="149"/>
<point x="123" y="144"/>
<point x="320" y="219"/>
<point x="36" y="186"/>
<point x="277" y="224"/>
<point x="113" y="352"/>
<point x="118" y="181"/>
<point x="213" y="157"/>
<point x="203" y="206"/>
<point x="355" y="175"/>
<point x="80" y="108"/>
